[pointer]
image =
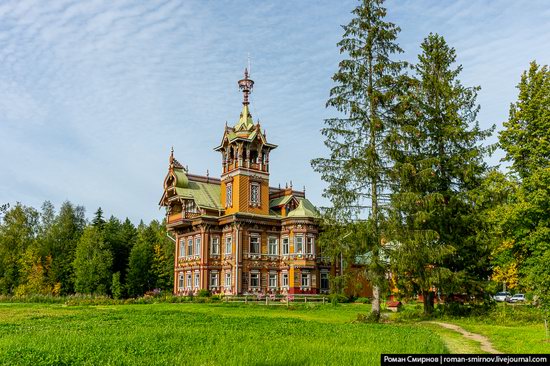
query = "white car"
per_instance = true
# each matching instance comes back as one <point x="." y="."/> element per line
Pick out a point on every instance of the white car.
<point x="502" y="296"/>
<point x="517" y="298"/>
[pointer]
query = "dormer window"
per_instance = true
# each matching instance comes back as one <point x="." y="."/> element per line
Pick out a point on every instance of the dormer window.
<point x="254" y="194"/>
<point x="229" y="195"/>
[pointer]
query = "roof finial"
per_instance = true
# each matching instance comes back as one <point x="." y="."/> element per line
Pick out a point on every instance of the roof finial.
<point x="246" y="86"/>
<point x="171" y="159"/>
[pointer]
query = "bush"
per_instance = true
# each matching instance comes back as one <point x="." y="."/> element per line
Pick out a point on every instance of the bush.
<point x="203" y="293"/>
<point x="338" y="299"/>
<point x="363" y="300"/>
<point x="368" y="318"/>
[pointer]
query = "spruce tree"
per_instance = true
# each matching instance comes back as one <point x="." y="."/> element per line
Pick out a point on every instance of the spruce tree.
<point x="356" y="170"/>
<point x="438" y="167"/>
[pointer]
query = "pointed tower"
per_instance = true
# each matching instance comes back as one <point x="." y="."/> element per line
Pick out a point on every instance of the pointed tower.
<point x="245" y="162"/>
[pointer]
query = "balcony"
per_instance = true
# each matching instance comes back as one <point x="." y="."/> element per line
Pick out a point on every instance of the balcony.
<point x="181" y="216"/>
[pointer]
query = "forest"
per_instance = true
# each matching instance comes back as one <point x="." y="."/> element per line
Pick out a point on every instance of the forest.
<point x="49" y="252"/>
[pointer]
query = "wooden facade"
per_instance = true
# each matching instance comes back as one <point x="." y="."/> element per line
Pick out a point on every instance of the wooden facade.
<point x="237" y="235"/>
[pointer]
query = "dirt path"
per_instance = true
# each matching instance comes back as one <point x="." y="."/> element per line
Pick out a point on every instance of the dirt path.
<point x="484" y="342"/>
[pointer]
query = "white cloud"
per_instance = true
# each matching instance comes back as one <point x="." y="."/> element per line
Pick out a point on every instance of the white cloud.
<point x="94" y="93"/>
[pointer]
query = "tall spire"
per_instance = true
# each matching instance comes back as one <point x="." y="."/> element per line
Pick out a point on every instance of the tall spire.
<point x="245" y="120"/>
<point x="246" y="86"/>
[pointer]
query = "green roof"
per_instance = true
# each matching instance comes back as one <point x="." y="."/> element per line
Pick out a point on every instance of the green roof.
<point x="304" y="209"/>
<point x="276" y="202"/>
<point x="181" y="178"/>
<point x="245" y="120"/>
<point x="205" y="195"/>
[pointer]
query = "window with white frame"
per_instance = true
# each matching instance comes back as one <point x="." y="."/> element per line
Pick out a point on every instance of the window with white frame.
<point x="189" y="247"/>
<point x="285" y="248"/>
<point x="305" y="279"/>
<point x="214" y="279"/>
<point x="228" y="195"/>
<point x="197" y="280"/>
<point x="324" y="281"/>
<point x="228" y="280"/>
<point x="254" y="194"/>
<point x="285" y="280"/>
<point x="180" y="281"/>
<point x="272" y="246"/>
<point x="254" y="279"/>
<point x="309" y="245"/>
<point x="182" y="248"/>
<point x="299" y="244"/>
<point x="273" y="280"/>
<point x="228" y="244"/>
<point x="215" y="245"/>
<point x="188" y="281"/>
<point x="198" y="246"/>
<point x="255" y="244"/>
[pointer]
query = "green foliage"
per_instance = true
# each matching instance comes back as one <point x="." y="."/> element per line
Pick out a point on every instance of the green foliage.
<point x="120" y="238"/>
<point x="363" y="300"/>
<point x="203" y="293"/>
<point x="366" y="92"/>
<point x="523" y="221"/>
<point x="18" y="232"/>
<point x="525" y="136"/>
<point x="438" y="156"/>
<point x="116" y="286"/>
<point x="58" y="240"/>
<point x="140" y="276"/>
<point x="368" y="318"/>
<point x="92" y="264"/>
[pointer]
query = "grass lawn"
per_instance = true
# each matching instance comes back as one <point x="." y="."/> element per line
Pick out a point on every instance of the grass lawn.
<point x="201" y="334"/>
<point x="509" y="328"/>
<point x="510" y="337"/>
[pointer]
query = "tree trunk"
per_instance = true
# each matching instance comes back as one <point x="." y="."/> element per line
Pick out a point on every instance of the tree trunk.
<point x="428" y="300"/>
<point x="376" y="302"/>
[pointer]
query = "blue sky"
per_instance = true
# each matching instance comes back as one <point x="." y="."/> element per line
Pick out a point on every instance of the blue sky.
<point x="94" y="93"/>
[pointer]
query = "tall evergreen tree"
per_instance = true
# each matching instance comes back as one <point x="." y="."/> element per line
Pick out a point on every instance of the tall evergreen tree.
<point x="438" y="155"/>
<point x="98" y="220"/>
<point x="365" y="92"/>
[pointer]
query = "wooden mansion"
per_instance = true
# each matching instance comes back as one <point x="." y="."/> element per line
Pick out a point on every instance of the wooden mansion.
<point x="237" y="235"/>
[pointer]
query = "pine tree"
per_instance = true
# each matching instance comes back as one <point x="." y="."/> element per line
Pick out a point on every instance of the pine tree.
<point x="98" y="220"/>
<point x="438" y="167"/>
<point x="365" y="92"/>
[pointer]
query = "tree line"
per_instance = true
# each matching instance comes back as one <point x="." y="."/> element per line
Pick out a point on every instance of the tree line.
<point x="61" y="253"/>
<point x="412" y="193"/>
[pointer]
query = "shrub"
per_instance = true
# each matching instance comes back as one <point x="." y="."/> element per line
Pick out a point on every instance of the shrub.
<point x="368" y="318"/>
<point x="203" y="293"/>
<point x="363" y="300"/>
<point x="338" y="298"/>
